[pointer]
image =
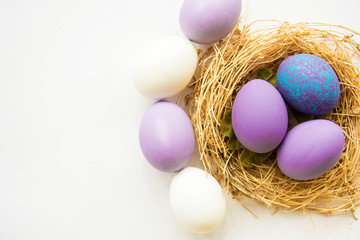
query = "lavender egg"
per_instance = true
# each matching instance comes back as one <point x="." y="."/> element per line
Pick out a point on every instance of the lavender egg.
<point x="311" y="149"/>
<point x="208" y="21"/>
<point x="259" y="116"/>
<point x="166" y="136"/>
<point x="309" y="84"/>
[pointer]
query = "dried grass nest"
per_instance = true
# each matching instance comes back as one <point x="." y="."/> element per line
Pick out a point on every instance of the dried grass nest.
<point x="226" y="66"/>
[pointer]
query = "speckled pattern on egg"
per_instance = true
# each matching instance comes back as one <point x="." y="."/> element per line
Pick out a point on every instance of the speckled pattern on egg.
<point x="309" y="84"/>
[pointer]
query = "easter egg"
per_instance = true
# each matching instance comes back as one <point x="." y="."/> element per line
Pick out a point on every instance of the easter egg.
<point x="308" y="83"/>
<point x="166" y="136"/>
<point x="208" y="21"/>
<point x="311" y="149"/>
<point x="196" y="200"/>
<point x="259" y="116"/>
<point x="165" y="67"/>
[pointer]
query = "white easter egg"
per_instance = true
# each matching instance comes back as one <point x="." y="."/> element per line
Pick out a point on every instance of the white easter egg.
<point x="165" y="67"/>
<point x="197" y="200"/>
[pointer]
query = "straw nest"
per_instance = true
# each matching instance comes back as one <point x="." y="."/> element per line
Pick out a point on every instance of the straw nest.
<point x="226" y="66"/>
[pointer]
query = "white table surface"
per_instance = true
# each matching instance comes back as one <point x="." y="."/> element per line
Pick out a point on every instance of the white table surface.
<point x="70" y="163"/>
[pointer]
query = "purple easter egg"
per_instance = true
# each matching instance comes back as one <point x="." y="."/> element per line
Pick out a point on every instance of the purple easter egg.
<point x="309" y="84"/>
<point x="311" y="149"/>
<point x="259" y="116"/>
<point x="208" y="21"/>
<point x="166" y="136"/>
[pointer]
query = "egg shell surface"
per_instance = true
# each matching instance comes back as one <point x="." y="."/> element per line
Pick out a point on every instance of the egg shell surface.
<point x="166" y="136"/>
<point x="259" y="116"/>
<point x="311" y="149"/>
<point x="208" y="21"/>
<point x="196" y="200"/>
<point x="165" y="67"/>
<point x="309" y="84"/>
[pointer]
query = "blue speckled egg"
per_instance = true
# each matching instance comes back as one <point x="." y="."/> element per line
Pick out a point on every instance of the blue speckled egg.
<point x="308" y="84"/>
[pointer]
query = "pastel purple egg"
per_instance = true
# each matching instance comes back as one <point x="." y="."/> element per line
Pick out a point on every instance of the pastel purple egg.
<point x="311" y="149"/>
<point x="208" y="21"/>
<point x="259" y="116"/>
<point x="309" y="84"/>
<point x="166" y="136"/>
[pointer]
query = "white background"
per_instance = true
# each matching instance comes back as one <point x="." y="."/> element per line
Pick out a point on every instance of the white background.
<point x="70" y="163"/>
